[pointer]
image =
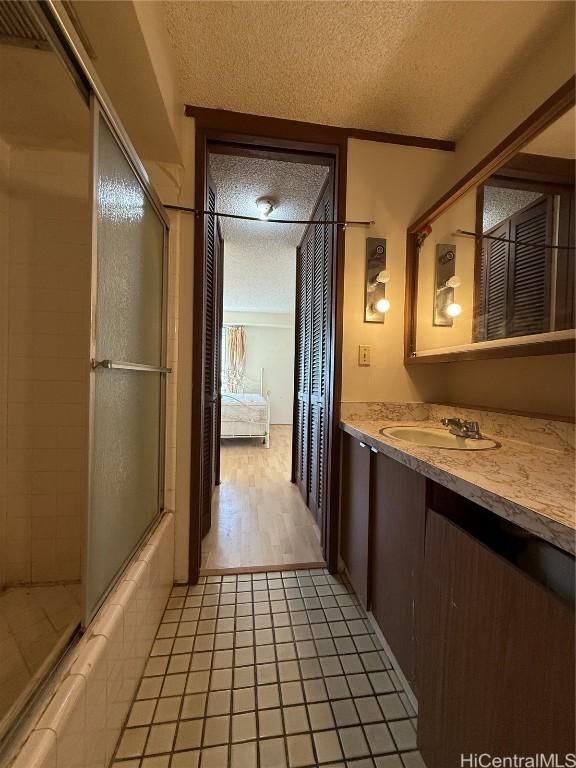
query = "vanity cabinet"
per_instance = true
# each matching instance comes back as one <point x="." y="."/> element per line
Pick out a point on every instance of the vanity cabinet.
<point x="496" y="654"/>
<point x="355" y="513"/>
<point x="397" y="556"/>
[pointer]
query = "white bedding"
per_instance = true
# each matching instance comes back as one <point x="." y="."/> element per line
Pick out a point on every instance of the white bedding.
<point x="244" y="414"/>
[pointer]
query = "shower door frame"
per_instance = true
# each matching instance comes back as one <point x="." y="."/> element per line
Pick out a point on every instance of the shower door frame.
<point x="52" y="18"/>
<point x="96" y="113"/>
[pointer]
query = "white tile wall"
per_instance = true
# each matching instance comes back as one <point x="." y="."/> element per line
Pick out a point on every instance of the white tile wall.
<point x="46" y="300"/>
<point x="81" y="724"/>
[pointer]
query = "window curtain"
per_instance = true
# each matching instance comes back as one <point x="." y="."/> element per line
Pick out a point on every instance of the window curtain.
<point x="236" y="356"/>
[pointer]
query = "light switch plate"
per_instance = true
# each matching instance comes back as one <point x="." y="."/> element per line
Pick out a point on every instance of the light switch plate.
<point x="364" y="351"/>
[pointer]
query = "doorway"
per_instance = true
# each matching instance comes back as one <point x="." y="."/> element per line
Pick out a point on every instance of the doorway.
<point x="265" y="480"/>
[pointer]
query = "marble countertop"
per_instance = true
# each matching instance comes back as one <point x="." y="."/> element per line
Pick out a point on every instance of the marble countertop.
<point x="529" y="485"/>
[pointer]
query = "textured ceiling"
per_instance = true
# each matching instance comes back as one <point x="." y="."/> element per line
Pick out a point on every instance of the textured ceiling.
<point x="424" y="68"/>
<point x="558" y="140"/>
<point x="259" y="263"/>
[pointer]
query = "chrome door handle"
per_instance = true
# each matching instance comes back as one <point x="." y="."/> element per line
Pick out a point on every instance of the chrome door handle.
<point x="121" y="366"/>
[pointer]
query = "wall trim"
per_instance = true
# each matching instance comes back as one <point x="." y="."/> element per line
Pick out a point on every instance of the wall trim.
<point x="243" y="122"/>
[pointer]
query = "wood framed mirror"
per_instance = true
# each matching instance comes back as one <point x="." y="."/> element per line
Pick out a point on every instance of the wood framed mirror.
<point x="490" y="266"/>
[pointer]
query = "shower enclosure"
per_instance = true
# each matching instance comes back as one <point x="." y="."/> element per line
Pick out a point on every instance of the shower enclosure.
<point x="83" y="292"/>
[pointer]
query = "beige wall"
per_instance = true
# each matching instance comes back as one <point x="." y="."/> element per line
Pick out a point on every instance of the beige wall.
<point x="385" y="183"/>
<point x="47" y="302"/>
<point x="270" y="346"/>
<point x="540" y="385"/>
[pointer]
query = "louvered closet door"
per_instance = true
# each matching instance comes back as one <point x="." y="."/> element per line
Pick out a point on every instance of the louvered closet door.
<point x="211" y="357"/>
<point x="319" y="361"/>
<point x="303" y="338"/>
<point x="529" y="279"/>
<point x="314" y="286"/>
<point x="494" y="287"/>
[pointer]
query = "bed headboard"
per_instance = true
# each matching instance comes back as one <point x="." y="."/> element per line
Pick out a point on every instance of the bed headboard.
<point x="248" y="385"/>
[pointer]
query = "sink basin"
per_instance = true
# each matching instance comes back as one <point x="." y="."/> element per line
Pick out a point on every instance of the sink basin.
<point x="437" y="438"/>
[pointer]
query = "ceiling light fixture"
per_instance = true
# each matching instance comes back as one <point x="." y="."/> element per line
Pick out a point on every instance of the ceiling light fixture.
<point x="265" y="207"/>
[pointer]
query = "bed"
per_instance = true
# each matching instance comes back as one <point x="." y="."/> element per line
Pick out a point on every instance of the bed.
<point x="246" y="413"/>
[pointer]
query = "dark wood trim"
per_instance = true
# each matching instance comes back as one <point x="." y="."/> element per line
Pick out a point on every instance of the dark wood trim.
<point x="268" y="153"/>
<point x="298" y="130"/>
<point x="195" y="535"/>
<point x="263" y="135"/>
<point x="553" y="108"/>
<point x="477" y="308"/>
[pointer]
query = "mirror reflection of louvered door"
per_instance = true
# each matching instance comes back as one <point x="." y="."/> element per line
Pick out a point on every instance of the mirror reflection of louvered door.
<point x="312" y="359"/>
<point x="213" y="255"/>
<point x="515" y="276"/>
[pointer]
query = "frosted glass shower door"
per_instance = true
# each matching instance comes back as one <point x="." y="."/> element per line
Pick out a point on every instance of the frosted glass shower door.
<point x="128" y="358"/>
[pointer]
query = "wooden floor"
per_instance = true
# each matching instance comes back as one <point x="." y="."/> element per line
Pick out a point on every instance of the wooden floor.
<point x="258" y="516"/>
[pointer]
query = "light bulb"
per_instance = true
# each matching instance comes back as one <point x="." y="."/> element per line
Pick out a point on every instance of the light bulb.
<point x="265" y="207"/>
<point x="453" y="310"/>
<point x="382" y="305"/>
<point x="383" y="276"/>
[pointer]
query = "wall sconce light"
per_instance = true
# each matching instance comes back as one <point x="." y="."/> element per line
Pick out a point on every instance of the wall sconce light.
<point x="376" y="277"/>
<point x="265" y="207"/>
<point x="445" y="281"/>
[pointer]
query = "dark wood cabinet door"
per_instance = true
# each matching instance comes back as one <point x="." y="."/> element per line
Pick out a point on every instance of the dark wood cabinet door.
<point x="497" y="655"/>
<point x="355" y="512"/>
<point x="397" y="553"/>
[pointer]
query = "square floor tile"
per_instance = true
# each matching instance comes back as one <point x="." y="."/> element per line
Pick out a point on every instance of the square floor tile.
<point x="214" y="757"/>
<point x="353" y="742"/>
<point x="320" y="716"/>
<point x="243" y="755"/>
<point x="160" y="738"/>
<point x="194" y="705"/>
<point x="216" y="731"/>
<point x="300" y="752"/>
<point x="295" y="720"/>
<point x="403" y="733"/>
<point x="243" y="700"/>
<point x="292" y="693"/>
<point x="272" y="753"/>
<point x="188" y="734"/>
<point x="219" y="703"/>
<point x="379" y="738"/>
<point x="188" y="759"/>
<point x="268" y="696"/>
<point x="168" y="709"/>
<point x="244" y="727"/>
<point x="327" y="746"/>
<point x="345" y="712"/>
<point x="132" y="742"/>
<point x="270" y="723"/>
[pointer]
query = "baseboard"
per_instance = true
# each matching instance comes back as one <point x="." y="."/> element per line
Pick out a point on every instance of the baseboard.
<point x="397" y="668"/>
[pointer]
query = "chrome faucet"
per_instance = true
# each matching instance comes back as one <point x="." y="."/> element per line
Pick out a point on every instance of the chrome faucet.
<point x="462" y="428"/>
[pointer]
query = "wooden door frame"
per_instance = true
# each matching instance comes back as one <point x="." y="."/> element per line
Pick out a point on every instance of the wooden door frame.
<point x="275" y="135"/>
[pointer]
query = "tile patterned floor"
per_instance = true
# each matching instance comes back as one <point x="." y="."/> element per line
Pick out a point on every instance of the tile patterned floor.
<point x="277" y="670"/>
<point x="33" y="620"/>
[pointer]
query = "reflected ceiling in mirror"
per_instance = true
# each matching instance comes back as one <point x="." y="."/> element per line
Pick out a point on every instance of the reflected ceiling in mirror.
<point x="497" y="267"/>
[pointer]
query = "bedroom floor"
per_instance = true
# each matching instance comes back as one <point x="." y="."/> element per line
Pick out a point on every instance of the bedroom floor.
<point x="258" y="516"/>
